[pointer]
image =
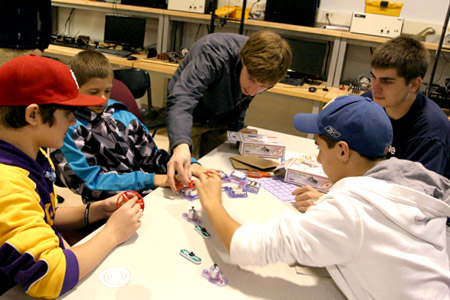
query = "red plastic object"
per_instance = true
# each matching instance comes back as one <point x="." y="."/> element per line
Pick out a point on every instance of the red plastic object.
<point x="190" y="185"/>
<point x="125" y="196"/>
<point x="256" y="174"/>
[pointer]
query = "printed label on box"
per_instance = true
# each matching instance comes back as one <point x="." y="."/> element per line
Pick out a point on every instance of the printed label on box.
<point x="257" y="144"/>
<point x="305" y="170"/>
<point x="233" y="137"/>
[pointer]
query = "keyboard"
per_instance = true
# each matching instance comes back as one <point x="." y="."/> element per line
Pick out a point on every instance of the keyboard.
<point x="293" y="81"/>
<point x="121" y="53"/>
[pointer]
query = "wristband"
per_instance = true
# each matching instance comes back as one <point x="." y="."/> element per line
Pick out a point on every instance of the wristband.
<point x="86" y="214"/>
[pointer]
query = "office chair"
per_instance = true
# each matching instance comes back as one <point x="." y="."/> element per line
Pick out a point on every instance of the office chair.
<point x="138" y="81"/>
<point x="120" y="92"/>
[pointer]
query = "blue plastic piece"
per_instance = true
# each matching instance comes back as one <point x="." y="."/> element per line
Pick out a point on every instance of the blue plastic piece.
<point x="252" y="186"/>
<point x="235" y="192"/>
<point x="239" y="177"/>
<point x="224" y="176"/>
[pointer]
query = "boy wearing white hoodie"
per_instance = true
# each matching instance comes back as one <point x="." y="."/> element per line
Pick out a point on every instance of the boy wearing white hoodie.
<point x="380" y="231"/>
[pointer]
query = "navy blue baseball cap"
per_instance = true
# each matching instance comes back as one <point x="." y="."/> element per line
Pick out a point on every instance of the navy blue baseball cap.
<point x="359" y="121"/>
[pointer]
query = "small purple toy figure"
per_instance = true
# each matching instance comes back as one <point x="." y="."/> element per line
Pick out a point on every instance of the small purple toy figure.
<point x="192" y="217"/>
<point x="215" y="276"/>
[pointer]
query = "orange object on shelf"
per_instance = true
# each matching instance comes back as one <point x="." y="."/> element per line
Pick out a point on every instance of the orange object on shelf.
<point x="237" y="14"/>
<point x="380" y="7"/>
<point x="225" y="11"/>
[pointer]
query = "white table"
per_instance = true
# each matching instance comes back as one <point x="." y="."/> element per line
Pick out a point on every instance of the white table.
<point x="159" y="272"/>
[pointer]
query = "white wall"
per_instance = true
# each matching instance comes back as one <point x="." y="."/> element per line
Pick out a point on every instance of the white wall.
<point x="429" y="11"/>
<point x="418" y="14"/>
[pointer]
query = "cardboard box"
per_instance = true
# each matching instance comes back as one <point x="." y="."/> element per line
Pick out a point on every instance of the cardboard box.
<point x="258" y="144"/>
<point x="388" y="8"/>
<point x="305" y="170"/>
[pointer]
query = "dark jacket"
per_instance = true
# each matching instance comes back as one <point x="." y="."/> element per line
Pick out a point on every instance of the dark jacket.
<point x="423" y="135"/>
<point x="25" y="24"/>
<point x="206" y="89"/>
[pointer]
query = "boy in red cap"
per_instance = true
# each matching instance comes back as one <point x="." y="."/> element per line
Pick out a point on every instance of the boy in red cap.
<point x="380" y="231"/>
<point x="37" y="99"/>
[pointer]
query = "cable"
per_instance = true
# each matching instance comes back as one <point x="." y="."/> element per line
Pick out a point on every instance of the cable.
<point x="67" y="22"/>
<point x="250" y="14"/>
<point x="443" y="67"/>
<point x="328" y="18"/>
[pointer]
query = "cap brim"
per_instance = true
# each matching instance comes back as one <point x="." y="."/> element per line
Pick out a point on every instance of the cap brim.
<point x="83" y="100"/>
<point x="306" y="123"/>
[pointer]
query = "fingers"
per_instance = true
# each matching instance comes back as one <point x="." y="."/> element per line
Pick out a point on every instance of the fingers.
<point x="249" y="130"/>
<point x="171" y="176"/>
<point x="303" y="205"/>
<point x="209" y="176"/>
<point x="305" y="197"/>
<point x="187" y="170"/>
<point x="125" y="220"/>
<point x="177" y="171"/>
<point x="184" y="173"/>
<point x="303" y="190"/>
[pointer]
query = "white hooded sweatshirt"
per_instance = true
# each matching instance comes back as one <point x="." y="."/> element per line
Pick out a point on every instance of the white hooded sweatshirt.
<point x="378" y="239"/>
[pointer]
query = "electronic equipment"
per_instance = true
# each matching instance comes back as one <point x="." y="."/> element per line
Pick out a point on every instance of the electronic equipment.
<point x="81" y="43"/>
<point x="147" y="3"/>
<point x="378" y="25"/>
<point x="440" y="94"/>
<point x="296" y="12"/>
<point x="126" y="31"/>
<point x="195" y="6"/>
<point x="310" y="59"/>
<point x="360" y="85"/>
<point x="293" y="81"/>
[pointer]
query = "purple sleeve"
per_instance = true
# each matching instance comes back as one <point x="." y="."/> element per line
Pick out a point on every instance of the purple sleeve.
<point x="72" y="271"/>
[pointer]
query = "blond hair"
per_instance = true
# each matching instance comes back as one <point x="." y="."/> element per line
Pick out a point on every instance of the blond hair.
<point x="90" y="64"/>
<point x="267" y="56"/>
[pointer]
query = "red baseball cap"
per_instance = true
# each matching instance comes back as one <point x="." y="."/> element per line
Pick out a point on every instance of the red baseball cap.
<point x="33" y="79"/>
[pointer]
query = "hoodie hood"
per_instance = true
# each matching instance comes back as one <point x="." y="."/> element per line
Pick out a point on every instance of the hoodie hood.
<point x="407" y="194"/>
<point x="413" y="175"/>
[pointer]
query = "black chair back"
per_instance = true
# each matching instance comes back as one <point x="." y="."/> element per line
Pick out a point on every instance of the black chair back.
<point x="138" y="82"/>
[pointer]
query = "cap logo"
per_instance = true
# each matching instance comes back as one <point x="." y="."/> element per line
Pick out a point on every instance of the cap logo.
<point x="333" y="132"/>
<point x="75" y="79"/>
<point x="390" y="149"/>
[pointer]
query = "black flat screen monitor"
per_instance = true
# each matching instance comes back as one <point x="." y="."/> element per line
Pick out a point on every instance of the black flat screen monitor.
<point x="309" y="58"/>
<point x="126" y="31"/>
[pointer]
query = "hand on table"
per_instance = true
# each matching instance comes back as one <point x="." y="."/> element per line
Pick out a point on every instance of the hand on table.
<point x="197" y="170"/>
<point x="125" y="220"/>
<point x="209" y="188"/>
<point x="161" y="180"/>
<point x="178" y="167"/>
<point x="105" y="208"/>
<point x="248" y="130"/>
<point x="102" y="209"/>
<point x="305" y="197"/>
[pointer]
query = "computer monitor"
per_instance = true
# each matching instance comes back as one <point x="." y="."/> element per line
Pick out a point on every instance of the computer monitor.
<point x="126" y="31"/>
<point x="309" y="58"/>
